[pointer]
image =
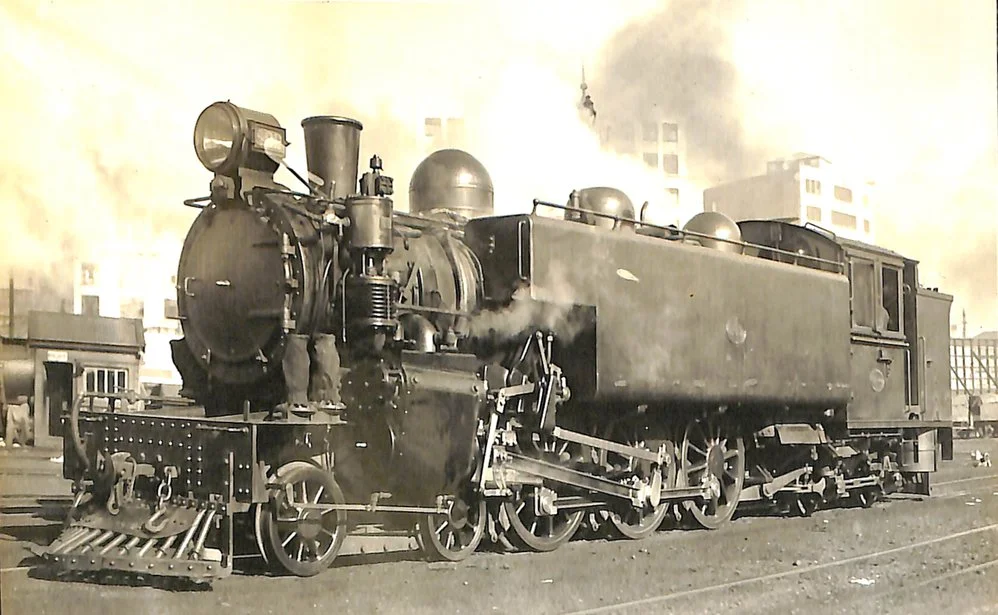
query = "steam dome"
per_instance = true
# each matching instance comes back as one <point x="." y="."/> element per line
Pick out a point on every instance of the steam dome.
<point x="454" y="181"/>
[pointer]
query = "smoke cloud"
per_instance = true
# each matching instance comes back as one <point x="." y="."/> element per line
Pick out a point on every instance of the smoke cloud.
<point x="100" y="157"/>
<point x="677" y="64"/>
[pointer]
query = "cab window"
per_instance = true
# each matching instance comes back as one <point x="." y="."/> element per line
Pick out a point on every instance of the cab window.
<point x="862" y="292"/>
<point x="891" y="279"/>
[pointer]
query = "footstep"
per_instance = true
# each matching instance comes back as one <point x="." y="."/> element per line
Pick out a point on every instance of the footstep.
<point x="862" y="581"/>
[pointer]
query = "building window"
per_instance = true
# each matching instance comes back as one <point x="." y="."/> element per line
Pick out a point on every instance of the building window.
<point x="862" y="275"/>
<point x="88" y="274"/>
<point x="133" y="308"/>
<point x="651" y="159"/>
<point x="670" y="132"/>
<point x="843" y="194"/>
<point x="455" y="131"/>
<point x="170" y="309"/>
<point x="625" y="140"/>
<point x="670" y="164"/>
<point x="105" y="380"/>
<point x="866" y="226"/>
<point x="892" y="299"/>
<point x="812" y="186"/>
<point x="844" y="220"/>
<point x="650" y="131"/>
<point x="90" y="305"/>
<point x="814" y="214"/>
<point x="672" y="197"/>
<point x="432" y="128"/>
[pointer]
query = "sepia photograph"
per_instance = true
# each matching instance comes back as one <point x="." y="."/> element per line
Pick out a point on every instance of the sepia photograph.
<point x="484" y="306"/>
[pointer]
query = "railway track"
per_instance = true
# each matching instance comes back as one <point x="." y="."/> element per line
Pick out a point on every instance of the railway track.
<point x="662" y="599"/>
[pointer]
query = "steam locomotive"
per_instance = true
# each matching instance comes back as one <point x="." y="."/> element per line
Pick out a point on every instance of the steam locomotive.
<point x="460" y="374"/>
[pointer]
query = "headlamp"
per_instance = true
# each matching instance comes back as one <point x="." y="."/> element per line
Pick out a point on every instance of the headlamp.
<point x="227" y="138"/>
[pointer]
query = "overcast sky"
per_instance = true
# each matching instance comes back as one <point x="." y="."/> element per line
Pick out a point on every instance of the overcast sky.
<point x="105" y="96"/>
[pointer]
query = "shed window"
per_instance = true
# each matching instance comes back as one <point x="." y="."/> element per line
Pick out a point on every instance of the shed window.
<point x="892" y="299"/>
<point x="105" y="380"/>
<point x="862" y="293"/>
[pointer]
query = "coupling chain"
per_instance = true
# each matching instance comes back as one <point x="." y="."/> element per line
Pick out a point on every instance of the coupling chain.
<point x="165" y="490"/>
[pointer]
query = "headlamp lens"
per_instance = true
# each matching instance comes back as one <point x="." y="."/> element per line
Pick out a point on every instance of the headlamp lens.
<point x="215" y="135"/>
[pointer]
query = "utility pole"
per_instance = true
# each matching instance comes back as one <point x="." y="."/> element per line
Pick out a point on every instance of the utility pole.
<point x="965" y="323"/>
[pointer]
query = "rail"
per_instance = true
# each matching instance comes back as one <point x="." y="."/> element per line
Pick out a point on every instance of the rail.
<point x="683" y="234"/>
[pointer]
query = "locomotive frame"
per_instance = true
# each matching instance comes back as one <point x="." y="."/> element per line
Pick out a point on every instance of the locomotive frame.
<point x="461" y="378"/>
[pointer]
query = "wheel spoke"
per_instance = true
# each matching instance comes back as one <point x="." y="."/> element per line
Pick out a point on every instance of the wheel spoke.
<point x="697" y="468"/>
<point x="289" y="538"/>
<point x="696" y="448"/>
<point x="318" y="494"/>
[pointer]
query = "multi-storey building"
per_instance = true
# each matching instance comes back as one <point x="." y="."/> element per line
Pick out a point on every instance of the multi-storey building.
<point x="655" y="141"/>
<point x="802" y="188"/>
<point x="138" y="282"/>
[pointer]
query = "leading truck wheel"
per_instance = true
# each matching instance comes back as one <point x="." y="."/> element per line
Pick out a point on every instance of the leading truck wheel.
<point x="303" y="541"/>
<point x="713" y="456"/>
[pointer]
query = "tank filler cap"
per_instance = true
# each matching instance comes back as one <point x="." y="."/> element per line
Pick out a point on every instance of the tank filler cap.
<point x="708" y="224"/>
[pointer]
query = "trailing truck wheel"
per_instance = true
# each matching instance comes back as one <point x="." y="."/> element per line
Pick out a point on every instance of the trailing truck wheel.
<point x="456" y="534"/>
<point x="713" y="455"/>
<point x="303" y="542"/>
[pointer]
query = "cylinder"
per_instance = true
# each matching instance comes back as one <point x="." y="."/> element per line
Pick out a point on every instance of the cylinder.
<point x="332" y="151"/>
<point x="370" y="222"/>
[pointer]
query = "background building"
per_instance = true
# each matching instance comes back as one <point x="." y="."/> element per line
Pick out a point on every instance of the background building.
<point x="802" y="188"/>
<point x="655" y="141"/>
<point x="138" y="283"/>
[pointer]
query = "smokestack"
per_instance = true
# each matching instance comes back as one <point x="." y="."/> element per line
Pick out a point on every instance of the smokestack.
<point x="332" y="150"/>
